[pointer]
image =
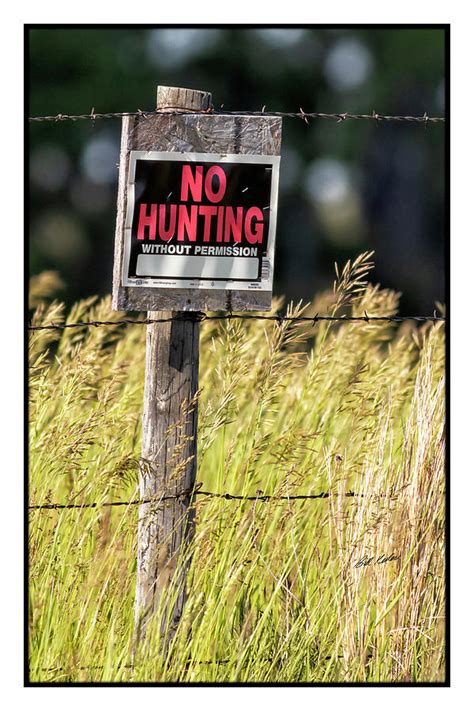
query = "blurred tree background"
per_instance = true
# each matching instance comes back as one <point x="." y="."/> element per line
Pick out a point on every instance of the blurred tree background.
<point x="344" y="187"/>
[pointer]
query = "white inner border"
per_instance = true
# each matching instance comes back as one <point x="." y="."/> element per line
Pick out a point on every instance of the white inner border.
<point x="167" y="283"/>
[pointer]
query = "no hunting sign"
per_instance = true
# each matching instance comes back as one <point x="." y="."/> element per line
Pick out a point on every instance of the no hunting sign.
<point x="196" y="230"/>
<point x="200" y="221"/>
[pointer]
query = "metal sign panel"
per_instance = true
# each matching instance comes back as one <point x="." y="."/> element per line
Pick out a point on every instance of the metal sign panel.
<point x="200" y="221"/>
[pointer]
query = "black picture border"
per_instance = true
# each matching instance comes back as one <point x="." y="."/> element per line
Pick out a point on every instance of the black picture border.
<point x="28" y="27"/>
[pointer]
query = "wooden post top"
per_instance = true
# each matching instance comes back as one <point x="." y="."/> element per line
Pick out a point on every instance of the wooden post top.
<point x="174" y="97"/>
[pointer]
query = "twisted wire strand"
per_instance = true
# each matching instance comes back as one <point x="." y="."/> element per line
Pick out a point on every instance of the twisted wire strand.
<point x="301" y="114"/>
<point x="199" y="316"/>
<point x="259" y="496"/>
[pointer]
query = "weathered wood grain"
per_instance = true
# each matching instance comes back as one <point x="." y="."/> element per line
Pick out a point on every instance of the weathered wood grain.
<point x="168" y="468"/>
<point x="169" y="453"/>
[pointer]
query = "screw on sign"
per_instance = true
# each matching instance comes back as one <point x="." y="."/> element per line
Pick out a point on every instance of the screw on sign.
<point x="196" y="220"/>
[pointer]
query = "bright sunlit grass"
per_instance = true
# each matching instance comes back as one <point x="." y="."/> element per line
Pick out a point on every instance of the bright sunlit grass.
<point x="274" y="591"/>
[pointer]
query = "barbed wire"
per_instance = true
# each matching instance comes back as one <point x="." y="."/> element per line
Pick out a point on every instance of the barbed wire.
<point x="259" y="496"/>
<point x="200" y="316"/>
<point x="118" y="667"/>
<point x="188" y="663"/>
<point x="301" y="114"/>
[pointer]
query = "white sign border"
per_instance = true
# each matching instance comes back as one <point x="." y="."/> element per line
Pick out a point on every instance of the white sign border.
<point x="217" y="284"/>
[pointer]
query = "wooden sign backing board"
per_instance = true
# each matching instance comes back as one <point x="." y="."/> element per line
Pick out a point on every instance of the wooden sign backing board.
<point x="188" y="134"/>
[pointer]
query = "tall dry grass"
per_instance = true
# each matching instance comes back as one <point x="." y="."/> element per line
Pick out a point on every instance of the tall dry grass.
<point x="279" y="591"/>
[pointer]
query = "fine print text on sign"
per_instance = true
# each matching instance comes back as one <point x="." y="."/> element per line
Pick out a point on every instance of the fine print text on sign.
<point x="200" y="221"/>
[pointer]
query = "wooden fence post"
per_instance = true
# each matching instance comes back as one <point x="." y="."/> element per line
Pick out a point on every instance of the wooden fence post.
<point x="168" y="462"/>
<point x="169" y="444"/>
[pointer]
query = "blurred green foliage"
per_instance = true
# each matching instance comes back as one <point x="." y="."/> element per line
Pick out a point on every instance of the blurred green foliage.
<point x="344" y="187"/>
